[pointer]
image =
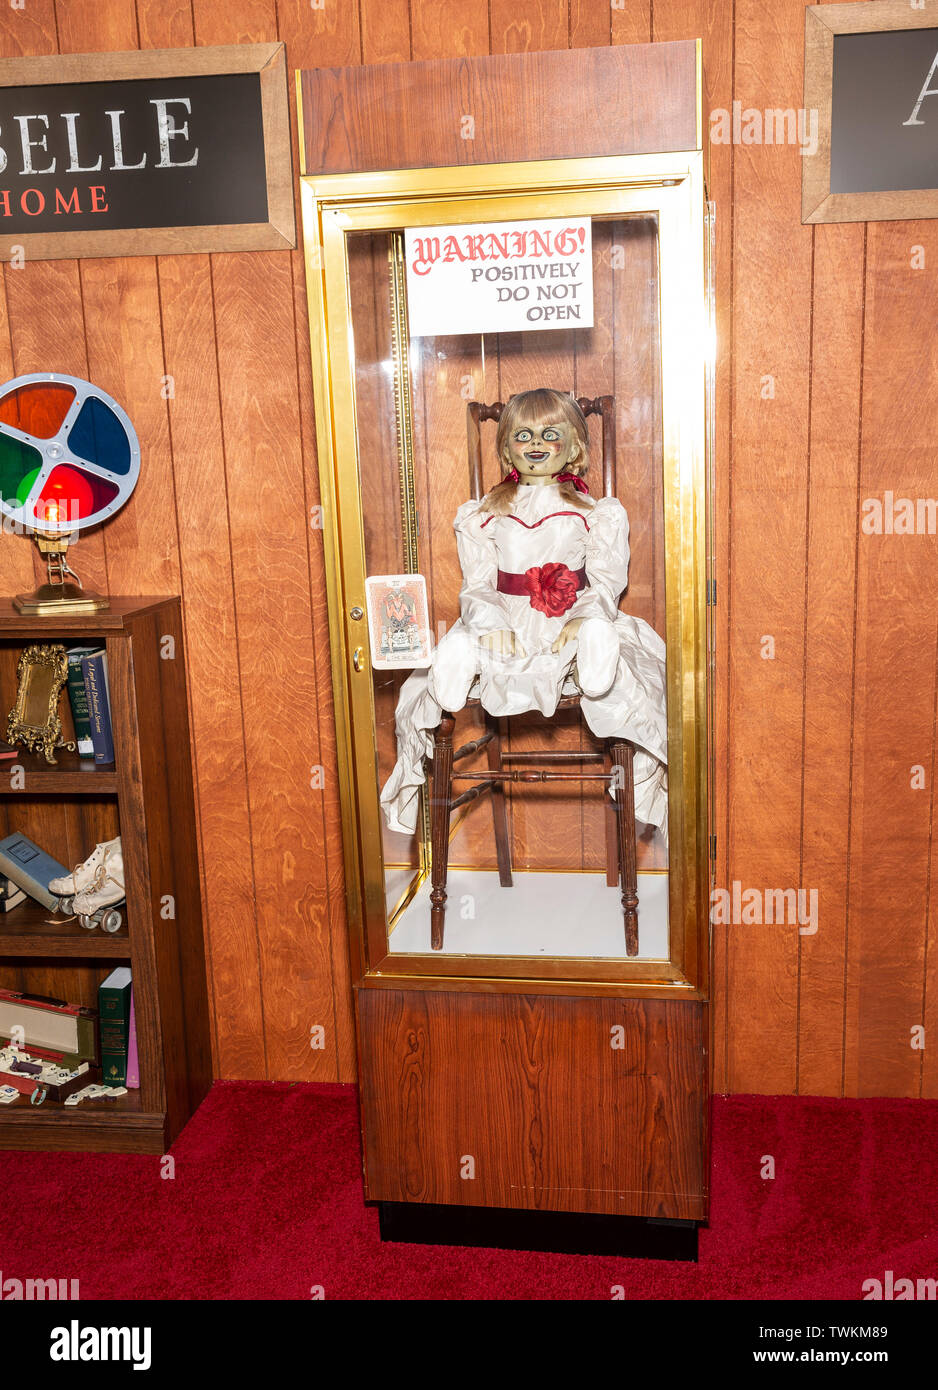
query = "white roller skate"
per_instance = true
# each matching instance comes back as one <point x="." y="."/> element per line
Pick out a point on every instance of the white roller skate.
<point x="96" y="889"/>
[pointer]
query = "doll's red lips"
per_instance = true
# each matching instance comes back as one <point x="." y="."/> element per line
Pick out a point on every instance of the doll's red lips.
<point x="536" y="455"/>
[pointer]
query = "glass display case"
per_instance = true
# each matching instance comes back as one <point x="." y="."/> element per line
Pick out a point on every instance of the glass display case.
<point x="556" y="826"/>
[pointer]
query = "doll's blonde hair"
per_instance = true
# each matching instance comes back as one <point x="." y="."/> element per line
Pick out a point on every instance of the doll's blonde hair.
<point x="534" y="409"/>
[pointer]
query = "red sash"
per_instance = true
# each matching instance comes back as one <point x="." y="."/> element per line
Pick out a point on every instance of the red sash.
<point x="551" y="588"/>
<point x="520" y="585"/>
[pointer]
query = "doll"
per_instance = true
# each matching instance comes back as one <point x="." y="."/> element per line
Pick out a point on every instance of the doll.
<point x="543" y="565"/>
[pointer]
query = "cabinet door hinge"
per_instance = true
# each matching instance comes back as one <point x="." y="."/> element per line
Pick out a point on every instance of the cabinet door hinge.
<point x="711" y="593"/>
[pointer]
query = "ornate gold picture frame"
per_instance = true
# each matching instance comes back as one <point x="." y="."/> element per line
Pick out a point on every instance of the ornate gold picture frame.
<point x="41" y="672"/>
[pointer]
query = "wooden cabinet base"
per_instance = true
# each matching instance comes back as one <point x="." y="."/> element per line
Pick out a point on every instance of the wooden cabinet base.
<point x="543" y="1102"/>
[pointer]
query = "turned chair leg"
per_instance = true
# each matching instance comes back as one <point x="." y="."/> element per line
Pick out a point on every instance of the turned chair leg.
<point x="625" y="806"/>
<point x="493" y="751"/>
<point x="441" y="787"/>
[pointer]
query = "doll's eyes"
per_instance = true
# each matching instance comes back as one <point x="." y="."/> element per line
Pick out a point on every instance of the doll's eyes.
<point x="522" y="436"/>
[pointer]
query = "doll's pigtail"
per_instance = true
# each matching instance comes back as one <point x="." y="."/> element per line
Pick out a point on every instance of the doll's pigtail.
<point x="573" y="497"/>
<point x="499" y="501"/>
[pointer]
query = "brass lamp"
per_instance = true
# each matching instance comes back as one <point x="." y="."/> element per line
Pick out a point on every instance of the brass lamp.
<point x="59" y="594"/>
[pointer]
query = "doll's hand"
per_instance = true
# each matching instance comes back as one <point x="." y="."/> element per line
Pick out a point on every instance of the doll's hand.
<point x="502" y="643"/>
<point x="567" y="634"/>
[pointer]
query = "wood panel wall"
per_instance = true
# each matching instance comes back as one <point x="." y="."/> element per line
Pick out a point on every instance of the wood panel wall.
<point x="826" y="395"/>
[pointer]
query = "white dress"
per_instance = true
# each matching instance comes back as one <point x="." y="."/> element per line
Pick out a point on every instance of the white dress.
<point x="620" y="660"/>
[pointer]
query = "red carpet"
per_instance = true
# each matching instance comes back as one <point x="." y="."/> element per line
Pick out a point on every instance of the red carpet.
<point x="267" y="1203"/>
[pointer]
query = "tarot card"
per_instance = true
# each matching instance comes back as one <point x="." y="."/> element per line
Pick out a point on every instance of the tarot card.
<point x="398" y="621"/>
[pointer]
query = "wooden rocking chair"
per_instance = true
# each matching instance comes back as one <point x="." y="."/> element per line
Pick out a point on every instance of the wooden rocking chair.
<point x="616" y="756"/>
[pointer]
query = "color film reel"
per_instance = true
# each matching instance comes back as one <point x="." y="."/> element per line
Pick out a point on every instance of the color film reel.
<point x="69" y="456"/>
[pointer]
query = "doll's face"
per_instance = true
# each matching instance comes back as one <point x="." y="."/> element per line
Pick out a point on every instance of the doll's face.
<point x="543" y="449"/>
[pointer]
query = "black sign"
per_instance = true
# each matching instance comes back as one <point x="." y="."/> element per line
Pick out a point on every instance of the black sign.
<point x="147" y="152"/>
<point x="884" y="111"/>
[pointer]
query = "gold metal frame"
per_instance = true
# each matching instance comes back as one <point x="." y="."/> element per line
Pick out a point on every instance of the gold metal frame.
<point x="52" y="662"/>
<point x="671" y="188"/>
<point x="404" y="419"/>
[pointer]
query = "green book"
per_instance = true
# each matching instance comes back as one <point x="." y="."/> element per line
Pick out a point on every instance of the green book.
<point x="78" y="698"/>
<point x="114" y="1021"/>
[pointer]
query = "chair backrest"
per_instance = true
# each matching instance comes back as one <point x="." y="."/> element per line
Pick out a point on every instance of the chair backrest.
<point x="478" y="411"/>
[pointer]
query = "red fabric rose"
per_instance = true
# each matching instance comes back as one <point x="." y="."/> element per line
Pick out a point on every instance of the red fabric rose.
<point x="553" y="588"/>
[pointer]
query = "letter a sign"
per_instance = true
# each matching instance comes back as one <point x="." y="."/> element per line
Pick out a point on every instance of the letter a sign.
<point x="871" y="87"/>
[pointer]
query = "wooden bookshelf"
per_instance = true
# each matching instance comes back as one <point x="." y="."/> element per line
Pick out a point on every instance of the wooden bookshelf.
<point x="31" y="929"/>
<point x="70" y="773"/>
<point x="146" y="796"/>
